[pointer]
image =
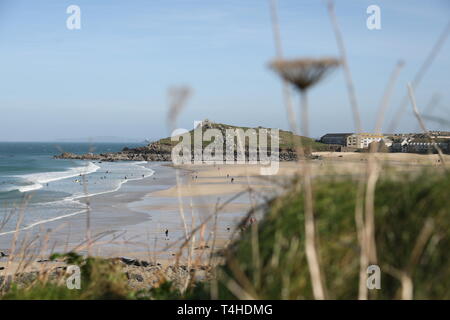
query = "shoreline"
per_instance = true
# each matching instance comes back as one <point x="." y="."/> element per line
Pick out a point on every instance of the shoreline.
<point x="125" y="222"/>
<point x="100" y="205"/>
<point x="132" y="221"/>
<point x="80" y="198"/>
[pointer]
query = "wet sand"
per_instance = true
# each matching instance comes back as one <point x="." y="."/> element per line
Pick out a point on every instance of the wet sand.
<point x="132" y="221"/>
<point x="109" y="216"/>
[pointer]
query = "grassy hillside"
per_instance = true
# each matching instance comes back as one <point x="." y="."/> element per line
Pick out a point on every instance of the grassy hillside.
<point x="288" y="140"/>
<point x="412" y="238"/>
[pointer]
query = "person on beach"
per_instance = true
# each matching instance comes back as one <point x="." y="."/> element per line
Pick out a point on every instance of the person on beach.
<point x="167" y="233"/>
<point x="232" y="180"/>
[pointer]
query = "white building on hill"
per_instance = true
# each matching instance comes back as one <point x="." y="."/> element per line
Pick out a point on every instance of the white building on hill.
<point x="363" y="140"/>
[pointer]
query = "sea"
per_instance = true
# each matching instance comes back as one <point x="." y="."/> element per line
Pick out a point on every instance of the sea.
<point x="45" y="189"/>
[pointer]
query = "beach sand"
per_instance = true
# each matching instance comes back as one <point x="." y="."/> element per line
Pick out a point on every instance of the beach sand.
<point x="132" y="222"/>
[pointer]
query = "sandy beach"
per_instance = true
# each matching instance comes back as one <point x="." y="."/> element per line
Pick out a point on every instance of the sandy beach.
<point x="132" y="221"/>
<point x="211" y="199"/>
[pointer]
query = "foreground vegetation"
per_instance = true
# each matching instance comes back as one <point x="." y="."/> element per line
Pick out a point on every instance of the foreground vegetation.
<point x="268" y="262"/>
<point x="412" y="239"/>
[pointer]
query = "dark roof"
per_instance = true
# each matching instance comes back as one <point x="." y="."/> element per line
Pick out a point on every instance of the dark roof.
<point x="337" y="134"/>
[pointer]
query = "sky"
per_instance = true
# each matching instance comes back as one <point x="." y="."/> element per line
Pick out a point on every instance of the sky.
<point x="111" y="77"/>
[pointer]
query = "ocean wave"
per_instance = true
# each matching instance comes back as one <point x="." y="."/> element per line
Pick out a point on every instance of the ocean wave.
<point x="72" y="201"/>
<point x="34" y="224"/>
<point x="119" y="184"/>
<point x="39" y="179"/>
<point x="8" y="188"/>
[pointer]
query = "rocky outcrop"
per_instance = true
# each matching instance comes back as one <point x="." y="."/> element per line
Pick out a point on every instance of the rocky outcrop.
<point x="139" y="274"/>
<point x="148" y="153"/>
<point x="161" y="150"/>
<point x="152" y="152"/>
<point x="144" y="155"/>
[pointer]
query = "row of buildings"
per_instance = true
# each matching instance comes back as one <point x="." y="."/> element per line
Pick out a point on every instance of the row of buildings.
<point x="409" y="142"/>
<point x="354" y="140"/>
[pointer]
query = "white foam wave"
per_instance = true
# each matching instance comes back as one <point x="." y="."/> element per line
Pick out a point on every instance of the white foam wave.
<point x="8" y="189"/>
<point x="30" y="187"/>
<point x="44" y="221"/>
<point x="73" y="199"/>
<point x="119" y="185"/>
<point x="38" y="179"/>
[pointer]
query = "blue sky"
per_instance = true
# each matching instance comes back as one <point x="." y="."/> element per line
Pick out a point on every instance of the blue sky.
<point x="111" y="77"/>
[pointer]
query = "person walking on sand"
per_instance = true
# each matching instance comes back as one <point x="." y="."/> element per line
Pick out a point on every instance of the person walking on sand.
<point x="167" y="233"/>
<point x="232" y="180"/>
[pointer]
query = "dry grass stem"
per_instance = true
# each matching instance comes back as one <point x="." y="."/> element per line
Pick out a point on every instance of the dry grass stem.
<point x="422" y="124"/>
<point x="344" y="61"/>
<point x="178" y="97"/>
<point x="419" y="76"/>
<point x="366" y="224"/>
<point x="387" y="96"/>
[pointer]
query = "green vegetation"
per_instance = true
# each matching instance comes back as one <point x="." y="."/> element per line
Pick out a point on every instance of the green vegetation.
<point x="101" y="279"/>
<point x="403" y="207"/>
<point x="288" y="140"/>
<point x="268" y="262"/>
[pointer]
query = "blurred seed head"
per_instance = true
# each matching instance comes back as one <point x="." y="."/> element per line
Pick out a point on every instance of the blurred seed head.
<point x="178" y="97"/>
<point x="304" y="73"/>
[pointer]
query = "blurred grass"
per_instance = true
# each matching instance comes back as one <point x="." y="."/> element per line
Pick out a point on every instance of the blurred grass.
<point x="403" y="206"/>
<point x="100" y="279"/>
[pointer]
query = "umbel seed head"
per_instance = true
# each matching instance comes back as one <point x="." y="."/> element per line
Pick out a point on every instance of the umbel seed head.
<point x="304" y="73"/>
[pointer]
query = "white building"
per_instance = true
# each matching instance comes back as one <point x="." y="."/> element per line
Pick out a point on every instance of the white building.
<point x="363" y="140"/>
